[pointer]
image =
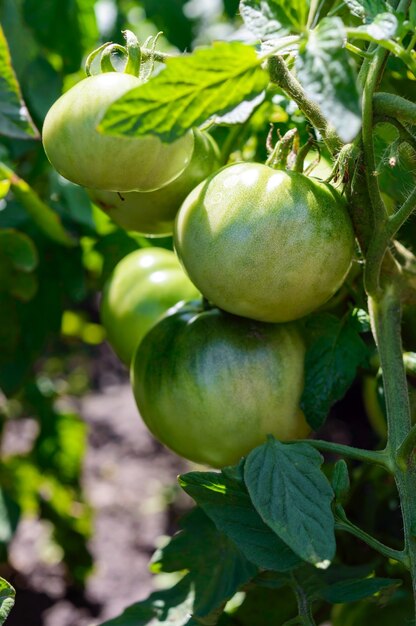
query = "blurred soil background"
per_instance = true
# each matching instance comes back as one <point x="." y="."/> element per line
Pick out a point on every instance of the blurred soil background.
<point x="130" y="481"/>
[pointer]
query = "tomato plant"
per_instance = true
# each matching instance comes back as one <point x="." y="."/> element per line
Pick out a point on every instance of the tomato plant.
<point x="308" y="289"/>
<point x="142" y="287"/>
<point x="283" y="241"/>
<point x="212" y="386"/>
<point x="85" y="156"/>
<point x="153" y="212"/>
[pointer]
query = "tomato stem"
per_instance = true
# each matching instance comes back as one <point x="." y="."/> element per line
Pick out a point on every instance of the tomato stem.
<point x="280" y="74"/>
<point x="344" y="524"/>
<point x="378" y="457"/>
<point x="385" y="312"/>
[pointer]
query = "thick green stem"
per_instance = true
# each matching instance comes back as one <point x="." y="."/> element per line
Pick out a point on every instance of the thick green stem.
<point x="394" y="106"/>
<point x="304" y="605"/>
<point x="280" y="74"/>
<point x="385" y="313"/>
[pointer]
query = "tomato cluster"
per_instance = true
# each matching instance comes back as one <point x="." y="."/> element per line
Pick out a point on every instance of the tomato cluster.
<point x="265" y="247"/>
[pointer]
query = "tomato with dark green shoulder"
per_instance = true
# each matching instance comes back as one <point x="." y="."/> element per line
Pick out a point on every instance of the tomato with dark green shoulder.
<point x="141" y="288"/>
<point x="266" y="244"/>
<point x="90" y="158"/>
<point x="152" y="213"/>
<point x="211" y="386"/>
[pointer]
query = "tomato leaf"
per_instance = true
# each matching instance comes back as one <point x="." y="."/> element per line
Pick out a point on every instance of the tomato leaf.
<point x="7" y="595"/>
<point x="188" y="92"/>
<point x="332" y="359"/>
<point x="226" y="501"/>
<point x="293" y="497"/>
<point x="382" y="28"/>
<point x="356" y="589"/>
<point x="15" y="120"/>
<point x="268" y="18"/>
<point x="327" y="75"/>
<point x="365" y="8"/>
<point x="217" y="568"/>
<point x="169" y="606"/>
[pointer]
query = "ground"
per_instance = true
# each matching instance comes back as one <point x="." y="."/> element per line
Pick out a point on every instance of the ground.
<point x="130" y="480"/>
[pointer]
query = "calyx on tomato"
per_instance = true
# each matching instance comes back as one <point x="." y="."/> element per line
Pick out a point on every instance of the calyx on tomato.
<point x="152" y="213"/>
<point x="211" y="386"/>
<point x="89" y="158"/>
<point x="283" y="242"/>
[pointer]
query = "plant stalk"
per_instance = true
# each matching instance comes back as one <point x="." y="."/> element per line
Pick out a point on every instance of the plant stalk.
<point x="385" y="311"/>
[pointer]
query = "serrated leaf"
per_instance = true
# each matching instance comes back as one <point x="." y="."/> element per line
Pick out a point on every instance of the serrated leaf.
<point x="269" y="18"/>
<point x="7" y="595"/>
<point x="217" y="568"/>
<point x="226" y="501"/>
<point x="365" y="9"/>
<point x="327" y="75"/>
<point x="188" y="92"/>
<point x="356" y="589"/>
<point x="331" y="364"/>
<point x="293" y="497"/>
<point x="15" y="120"/>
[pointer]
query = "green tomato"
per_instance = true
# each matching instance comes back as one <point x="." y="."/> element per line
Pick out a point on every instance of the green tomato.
<point x="153" y="212"/>
<point x="266" y="244"/>
<point x="83" y="155"/>
<point x="141" y="288"/>
<point x="211" y="386"/>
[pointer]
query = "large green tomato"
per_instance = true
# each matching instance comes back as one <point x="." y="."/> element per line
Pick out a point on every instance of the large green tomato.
<point x="211" y="386"/>
<point x="141" y="288"/>
<point x="153" y="212"/>
<point x="84" y="156"/>
<point x="266" y="244"/>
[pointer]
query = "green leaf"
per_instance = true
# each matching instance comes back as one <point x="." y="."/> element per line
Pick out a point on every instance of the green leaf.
<point x="44" y="217"/>
<point x="293" y="497"/>
<point x="327" y="75"/>
<point x="412" y="14"/>
<point x="18" y="258"/>
<point x="4" y="188"/>
<point x="7" y="595"/>
<point x="15" y="120"/>
<point x="67" y="27"/>
<point x="271" y="18"/>
<point x="19" y="249"/>
<point x="9" y="518"/>
<point x="188" y="92"/>
<point x="365" y="9"/>
<point x="226" y="501"/>
<point x="170" y="606"/>
<point x="356" y="589"/>
<point x="382" y="28"/>
<point x="331" y="363"/>
<point x="340" y="481"/>
<point x="217" y="568"/>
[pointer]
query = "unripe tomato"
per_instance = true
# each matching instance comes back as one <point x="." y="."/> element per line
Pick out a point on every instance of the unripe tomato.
<point x="83" y="155"/>
<point x="153" y="213"/>
<point x="266" y="244"/>
<point x="211" y="386"/>
<point x="141" y="288"/>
